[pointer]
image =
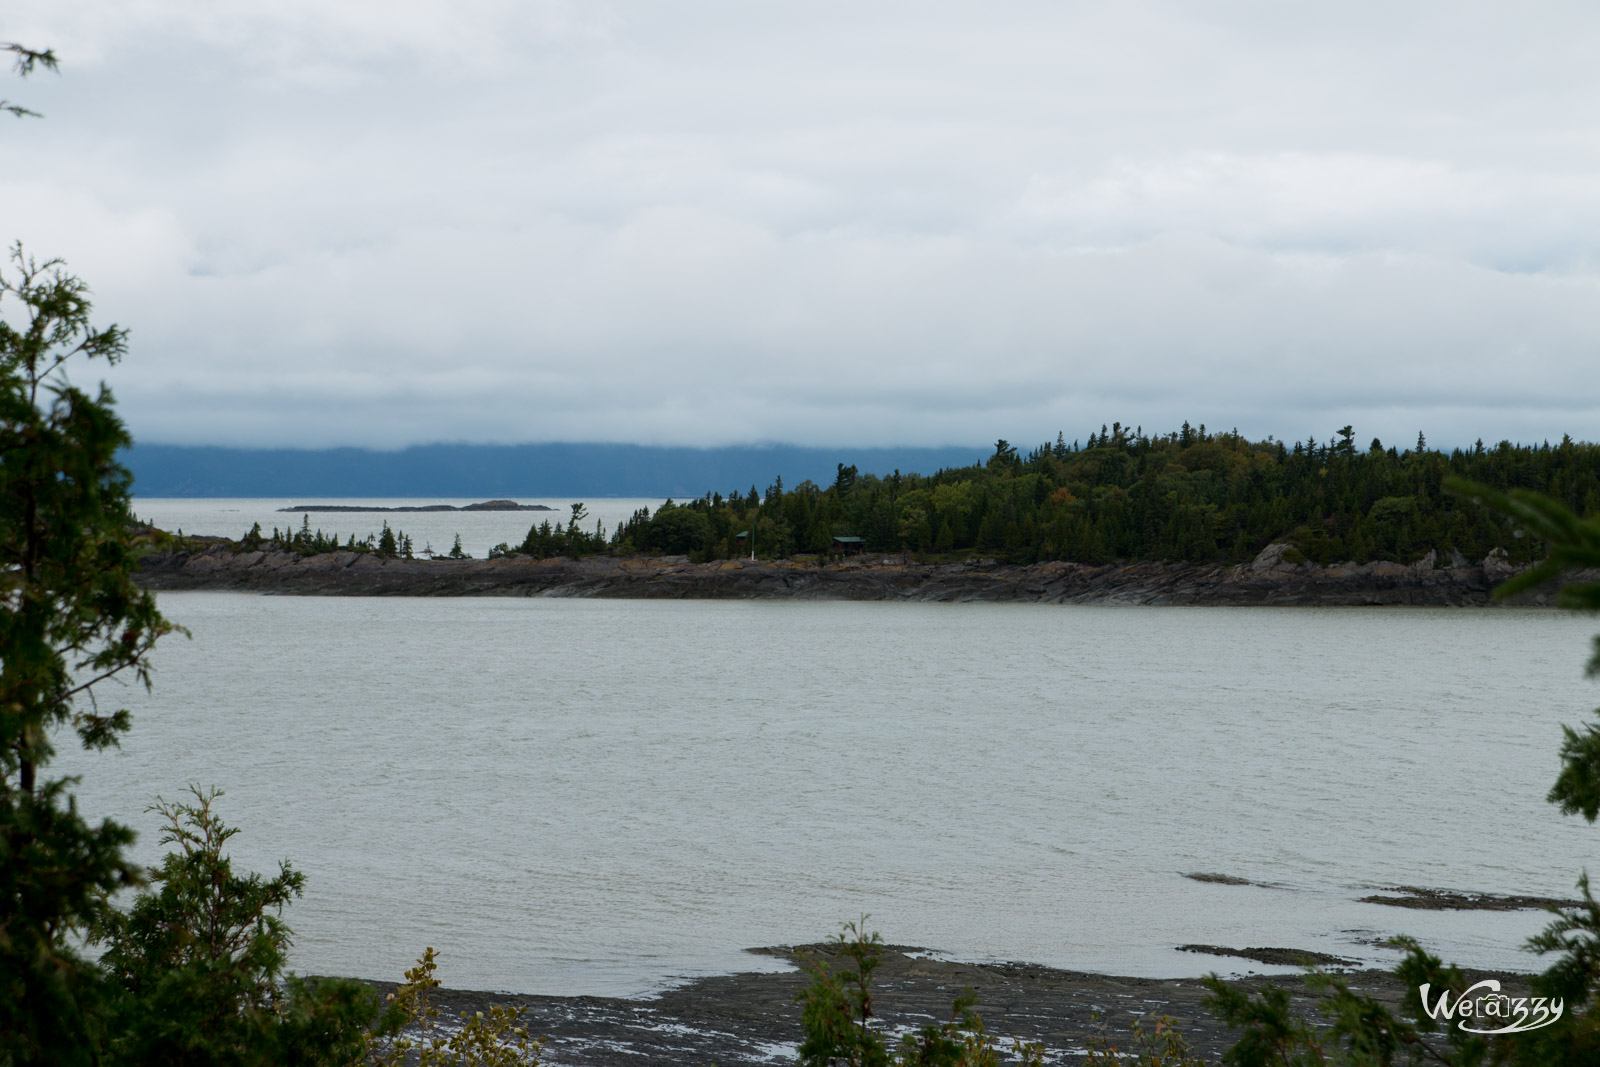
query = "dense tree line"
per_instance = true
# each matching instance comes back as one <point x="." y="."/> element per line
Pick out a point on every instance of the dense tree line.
<point x="1185" y="496"/>
<point x="562" y="539"/>
<point x="390" y="543"/>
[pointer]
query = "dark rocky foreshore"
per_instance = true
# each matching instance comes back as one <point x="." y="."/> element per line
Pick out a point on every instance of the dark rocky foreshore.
<point x="753" y="1018"/>
<point x="1269" y="579"/>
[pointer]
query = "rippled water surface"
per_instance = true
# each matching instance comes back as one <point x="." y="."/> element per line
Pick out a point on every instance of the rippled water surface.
<point x="600" y="796"/>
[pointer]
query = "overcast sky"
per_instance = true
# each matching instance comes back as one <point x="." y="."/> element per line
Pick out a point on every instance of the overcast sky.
<point x="384" y="222"/>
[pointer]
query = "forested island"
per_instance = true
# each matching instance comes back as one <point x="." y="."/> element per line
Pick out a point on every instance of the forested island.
<point x="1186" y="517"/>
<point x="1189" y="496"/>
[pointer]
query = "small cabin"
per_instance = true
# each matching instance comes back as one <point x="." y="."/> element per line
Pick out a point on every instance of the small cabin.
<point x="849" y="546"/>
<point x="740" y="537"/>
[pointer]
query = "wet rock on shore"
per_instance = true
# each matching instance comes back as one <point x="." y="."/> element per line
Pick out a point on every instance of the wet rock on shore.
<point x="753" y="1018"/>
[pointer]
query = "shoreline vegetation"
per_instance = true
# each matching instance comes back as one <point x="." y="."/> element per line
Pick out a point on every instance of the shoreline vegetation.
<point x="1187" y="517"/>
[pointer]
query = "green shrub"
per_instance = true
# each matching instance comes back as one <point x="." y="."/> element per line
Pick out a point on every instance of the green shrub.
<point x="198" y="963"/>
<point x="841" y="1028"/>
<point x="493" y="1040"/>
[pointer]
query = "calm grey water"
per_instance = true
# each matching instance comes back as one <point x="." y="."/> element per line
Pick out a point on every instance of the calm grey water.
<point x="601" y="796"/>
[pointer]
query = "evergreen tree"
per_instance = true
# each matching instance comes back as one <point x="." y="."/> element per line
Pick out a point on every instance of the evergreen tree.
<point x="70" y="616"/>
<point x="24" y="60"/>
<point x="199" y="964"/>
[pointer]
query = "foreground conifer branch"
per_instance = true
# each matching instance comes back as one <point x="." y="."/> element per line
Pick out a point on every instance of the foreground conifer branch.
<point x="71" y="617"/>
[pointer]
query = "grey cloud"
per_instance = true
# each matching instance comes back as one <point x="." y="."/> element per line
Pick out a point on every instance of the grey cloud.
<point x="384" y="224"/>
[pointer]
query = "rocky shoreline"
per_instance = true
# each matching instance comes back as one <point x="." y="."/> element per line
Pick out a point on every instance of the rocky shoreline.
<point x="753" y="1018"/>
<point x="1268" y="579"/>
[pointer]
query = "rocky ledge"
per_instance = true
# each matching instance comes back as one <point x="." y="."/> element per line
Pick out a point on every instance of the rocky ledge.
<point x="1269" y="579"/>
<point x="753" y="1018"/>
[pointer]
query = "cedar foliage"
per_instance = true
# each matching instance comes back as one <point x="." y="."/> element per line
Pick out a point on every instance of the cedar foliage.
<point x="197" y="963"/>
<point x="70" y="616"/>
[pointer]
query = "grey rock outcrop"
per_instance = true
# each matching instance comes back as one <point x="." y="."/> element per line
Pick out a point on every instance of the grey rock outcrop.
<point x="1271" y="560"/>
<point x="1268" y="579"/>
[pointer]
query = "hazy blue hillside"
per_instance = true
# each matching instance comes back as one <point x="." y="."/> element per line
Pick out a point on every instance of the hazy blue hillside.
<point x="509" y="470"/>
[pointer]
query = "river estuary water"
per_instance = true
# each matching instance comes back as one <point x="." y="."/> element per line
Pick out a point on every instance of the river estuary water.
<point x="568" y="796"/>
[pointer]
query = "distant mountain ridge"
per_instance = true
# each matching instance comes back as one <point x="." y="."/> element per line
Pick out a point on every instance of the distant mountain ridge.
<point x="532" y="470"/>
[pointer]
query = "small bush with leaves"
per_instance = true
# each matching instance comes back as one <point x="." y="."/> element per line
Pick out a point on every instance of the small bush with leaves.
<point x="837" y="1013"/>
<point x="198" y="961"/>
<point x="492" y="1040"/>
<point x="1157" y="1045"/>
